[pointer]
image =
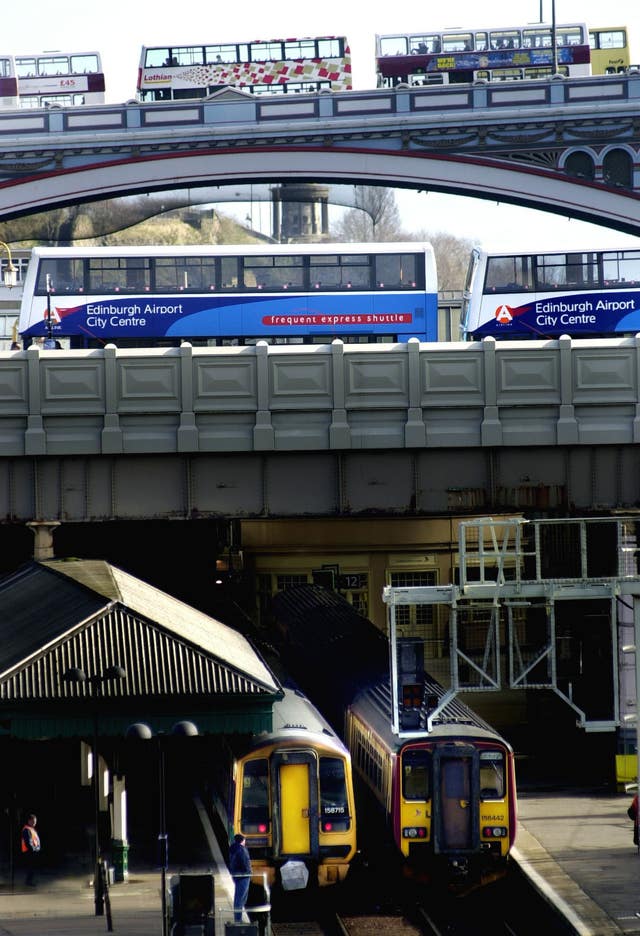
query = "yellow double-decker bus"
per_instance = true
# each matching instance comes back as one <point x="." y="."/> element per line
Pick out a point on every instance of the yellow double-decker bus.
<point x="609" y="50"/>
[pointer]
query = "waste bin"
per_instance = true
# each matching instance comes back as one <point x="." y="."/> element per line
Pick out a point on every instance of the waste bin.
<point x="120" y="854"/>
<point x="192" y="900"/>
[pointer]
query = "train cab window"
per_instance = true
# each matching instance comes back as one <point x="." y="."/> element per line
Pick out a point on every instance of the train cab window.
<point x="416" y="774"/>
<point x="491" y="775"/>
<point x="255" y="796"/>
<point x="334" y="808"/>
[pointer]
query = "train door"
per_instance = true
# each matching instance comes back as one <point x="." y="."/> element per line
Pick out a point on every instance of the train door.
<point x="455" y="798"/>
<point x="295" y="819"/>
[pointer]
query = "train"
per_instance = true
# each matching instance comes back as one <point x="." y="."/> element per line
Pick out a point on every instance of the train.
<point x="293" y="798"/>
<point x="444" y="785"/>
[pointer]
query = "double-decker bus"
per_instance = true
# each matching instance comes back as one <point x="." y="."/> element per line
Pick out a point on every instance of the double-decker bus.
<point x="62" y="79"/>
<point x="8" y="81"/>
<point x="464" y="55"/>
<point x="609" y="50"/>
<point x="231" y="295"/>
<point x="582" y="293"/>
<point x="277" y="66"/>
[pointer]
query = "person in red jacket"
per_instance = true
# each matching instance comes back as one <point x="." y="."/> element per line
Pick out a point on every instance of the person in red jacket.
<point x="30" y="848"/>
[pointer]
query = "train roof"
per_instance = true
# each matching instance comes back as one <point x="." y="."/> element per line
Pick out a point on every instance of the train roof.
<point x="297" y="719"/>
<point x="455" y="721"/>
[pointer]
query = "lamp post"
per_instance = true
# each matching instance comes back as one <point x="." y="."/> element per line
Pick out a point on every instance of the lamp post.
<point x="77" y="675"/>
<point x="49" y="287"/>
<point x="554" y="38"/>
<point x="144" y="732"/>
<point x="10" y="275"/>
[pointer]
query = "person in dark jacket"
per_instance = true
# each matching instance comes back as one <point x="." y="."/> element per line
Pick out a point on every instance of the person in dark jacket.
<point x="240" y="868"/>
<point x="30" y="848"/>
<point x="632" y="813"/>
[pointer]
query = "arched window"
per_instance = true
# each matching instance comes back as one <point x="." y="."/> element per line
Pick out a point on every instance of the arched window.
<point x="617" y="167"/>
<point x="580" y="165"/>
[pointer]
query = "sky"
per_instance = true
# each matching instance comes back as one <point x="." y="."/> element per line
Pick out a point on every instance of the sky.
<point x="119" y="30"/>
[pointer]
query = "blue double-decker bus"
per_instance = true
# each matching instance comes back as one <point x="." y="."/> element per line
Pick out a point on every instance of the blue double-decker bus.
<point x="230" y="295"/>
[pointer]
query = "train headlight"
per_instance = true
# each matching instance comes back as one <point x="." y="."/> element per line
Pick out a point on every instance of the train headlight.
<point x="494" y="832"/>
<point x="414" y="832"/>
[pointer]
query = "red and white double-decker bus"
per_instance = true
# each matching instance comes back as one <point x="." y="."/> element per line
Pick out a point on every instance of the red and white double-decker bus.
<point x="8" y="82"/>
<point x="63" y="79"/>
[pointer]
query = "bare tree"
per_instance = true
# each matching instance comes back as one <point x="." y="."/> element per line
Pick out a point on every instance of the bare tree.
<point x="452" y="257"/>
<point x="376" y="217"/>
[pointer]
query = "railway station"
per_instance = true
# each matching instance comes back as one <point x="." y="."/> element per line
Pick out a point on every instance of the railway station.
<point x="287" y="555"/>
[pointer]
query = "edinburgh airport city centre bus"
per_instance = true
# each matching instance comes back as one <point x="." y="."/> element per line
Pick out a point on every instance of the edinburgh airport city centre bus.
<point x="591" y="293"/>
<point x="277" y="66"/>
<point x="231" y="295"/>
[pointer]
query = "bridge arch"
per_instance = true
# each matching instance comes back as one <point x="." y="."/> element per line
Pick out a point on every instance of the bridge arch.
<point x="618" y="165"/>
<point x="579" y="163"/>
<point x="569" y="194"/>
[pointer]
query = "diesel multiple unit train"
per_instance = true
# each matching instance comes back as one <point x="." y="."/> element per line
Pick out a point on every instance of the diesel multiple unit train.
<point x="293" y="799"/>
<point x="445" y="784"/>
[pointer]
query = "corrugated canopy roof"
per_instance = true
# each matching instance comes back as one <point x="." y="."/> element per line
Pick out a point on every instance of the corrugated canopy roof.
<point x="89" y="614"/>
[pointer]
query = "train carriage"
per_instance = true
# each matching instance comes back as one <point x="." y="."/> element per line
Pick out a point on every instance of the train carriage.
<point x="294" y="799"/>
<point x="448" y="795"/>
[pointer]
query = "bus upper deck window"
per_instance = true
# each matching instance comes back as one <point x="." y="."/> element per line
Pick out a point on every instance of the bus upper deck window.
<point x="393" y="45"/>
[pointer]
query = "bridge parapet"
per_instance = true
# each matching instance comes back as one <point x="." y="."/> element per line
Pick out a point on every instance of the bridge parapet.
<point x="320" y="397"/>
<point x="229" y="108"/>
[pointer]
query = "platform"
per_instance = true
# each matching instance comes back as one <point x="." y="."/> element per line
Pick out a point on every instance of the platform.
<point x="578" y="850"/>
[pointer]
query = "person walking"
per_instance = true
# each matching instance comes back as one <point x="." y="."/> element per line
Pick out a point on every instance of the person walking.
<point x="30" y="848"/>
<point x="240" y="868"/>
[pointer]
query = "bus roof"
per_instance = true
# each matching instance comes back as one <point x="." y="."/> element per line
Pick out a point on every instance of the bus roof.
<point x="235" y="249"/>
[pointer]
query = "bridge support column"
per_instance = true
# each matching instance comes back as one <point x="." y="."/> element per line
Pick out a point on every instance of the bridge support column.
<point x="43" y="535"/>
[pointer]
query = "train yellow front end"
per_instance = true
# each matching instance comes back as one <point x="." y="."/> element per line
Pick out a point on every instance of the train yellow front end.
<point x="294" y="803"/>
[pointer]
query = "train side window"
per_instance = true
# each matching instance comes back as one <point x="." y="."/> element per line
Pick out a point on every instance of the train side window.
<point x="416" y="774"/>
<point x="491" y="775"/>
<point x="255" y="796"/>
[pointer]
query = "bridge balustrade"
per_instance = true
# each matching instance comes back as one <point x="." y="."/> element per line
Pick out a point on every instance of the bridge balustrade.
<point x="561" y="392"/>
<point x="230" y="108"/>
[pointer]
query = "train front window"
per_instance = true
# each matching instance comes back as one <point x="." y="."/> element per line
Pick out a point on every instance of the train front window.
<point x="492" y="785"/>
<point x="255" y="796"/>
<point x="416" y="774"/>
<point x="334" y="808"/>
